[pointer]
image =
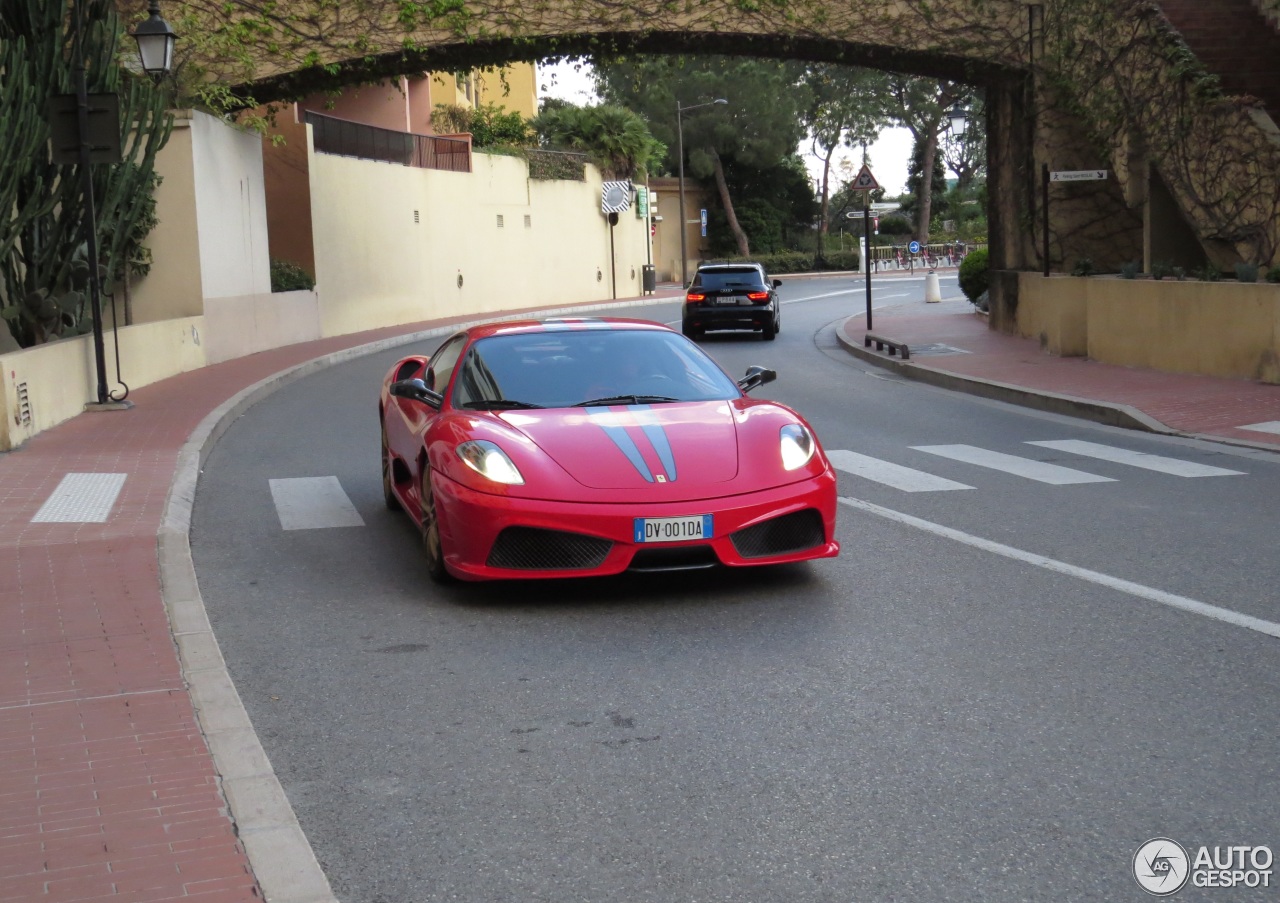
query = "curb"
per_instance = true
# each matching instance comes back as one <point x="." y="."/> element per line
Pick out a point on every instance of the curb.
<point x="279" y="853"/>
<point x="1121" y="415"/>
<point x="1104" y="412"/>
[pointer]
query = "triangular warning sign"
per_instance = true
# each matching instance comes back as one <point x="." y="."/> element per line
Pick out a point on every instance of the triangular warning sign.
<point x="865" y="181"/>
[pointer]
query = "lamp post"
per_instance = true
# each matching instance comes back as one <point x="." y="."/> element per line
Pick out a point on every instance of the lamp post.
<point x="155" y="46"/>
<point x="680" y="111"/>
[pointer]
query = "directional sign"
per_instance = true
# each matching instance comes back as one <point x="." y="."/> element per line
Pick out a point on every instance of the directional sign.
<point x="914" y="247"/>
<point x="865" y="181"/>
<point x="1078" y="175"/>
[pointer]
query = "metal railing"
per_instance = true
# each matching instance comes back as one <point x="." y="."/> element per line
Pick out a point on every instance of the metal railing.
<point x="355" y="139"/>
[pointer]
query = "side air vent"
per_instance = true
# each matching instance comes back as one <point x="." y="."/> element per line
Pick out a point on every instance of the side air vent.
<point x="790" y="533"/>
<point x="534" y="549"/>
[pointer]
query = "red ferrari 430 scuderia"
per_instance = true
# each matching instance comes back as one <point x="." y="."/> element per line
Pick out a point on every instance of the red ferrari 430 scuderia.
<point x="584" y="447"/>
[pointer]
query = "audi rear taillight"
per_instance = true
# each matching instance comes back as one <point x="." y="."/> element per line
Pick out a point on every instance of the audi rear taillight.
<point x="758" y="297"/>
<point x="694" y="298"/>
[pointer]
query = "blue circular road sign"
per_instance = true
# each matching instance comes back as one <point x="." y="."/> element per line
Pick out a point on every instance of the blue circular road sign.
<point x="914" y="247"/>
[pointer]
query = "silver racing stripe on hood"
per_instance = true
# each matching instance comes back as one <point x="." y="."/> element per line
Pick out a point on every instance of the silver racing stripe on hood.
<point x="657" y="437"/>
<point x="617" y="433"/>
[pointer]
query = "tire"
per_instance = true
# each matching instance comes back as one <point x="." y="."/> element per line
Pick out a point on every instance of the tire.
<point x="388" y="494"/>
<point x="769" y="332"/>
<point x="690" y="330"/>
<point x="431" y="548"/>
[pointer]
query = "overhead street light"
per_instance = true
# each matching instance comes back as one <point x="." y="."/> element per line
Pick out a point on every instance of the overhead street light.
<point x="684" y="225"/>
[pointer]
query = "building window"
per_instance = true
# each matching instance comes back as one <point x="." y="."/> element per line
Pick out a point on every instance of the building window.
<point x="528" y="221"/>
<point x="500" y="222"/>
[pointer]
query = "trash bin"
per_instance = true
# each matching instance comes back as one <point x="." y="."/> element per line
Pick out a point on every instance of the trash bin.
<point x="649" y="277"/>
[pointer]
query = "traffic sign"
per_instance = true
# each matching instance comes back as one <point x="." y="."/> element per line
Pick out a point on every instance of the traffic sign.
<point x="864" y="180"/>
<point x="914" y="247"/>
<point x="1078" y="175"/>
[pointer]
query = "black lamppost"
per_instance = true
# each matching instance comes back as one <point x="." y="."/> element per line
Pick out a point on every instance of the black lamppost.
<point x="155" y="43"/>
<point x="155" y="46"/>
<point x="680" y="111"/>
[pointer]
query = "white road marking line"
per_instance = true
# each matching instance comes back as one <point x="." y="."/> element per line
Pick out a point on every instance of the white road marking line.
<point x="1012" y="464"/>
<point x="1270" y="426"/>
<point x="1173" y="466"/>
<point x="1182" y="603"/>
<point x="312" y="503"/>
<point x="895" y="475"/>
<point x="81" y="498"/>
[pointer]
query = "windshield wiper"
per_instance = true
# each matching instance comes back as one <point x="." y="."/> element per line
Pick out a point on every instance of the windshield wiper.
<point x="499" y="404"/>
<point x="626" y="399"/>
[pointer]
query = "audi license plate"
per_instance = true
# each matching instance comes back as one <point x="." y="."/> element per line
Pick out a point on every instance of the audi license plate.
<point x="673" y="529"/>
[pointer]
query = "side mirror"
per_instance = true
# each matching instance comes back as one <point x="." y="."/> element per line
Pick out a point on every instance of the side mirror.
<point x="416" y="390"/>
<point x="756" y="377"/>
<point x="777" y="283"/>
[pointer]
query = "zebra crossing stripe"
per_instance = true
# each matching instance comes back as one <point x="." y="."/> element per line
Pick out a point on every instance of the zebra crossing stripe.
<point x="1270" y="426"/>
<point x="1172" y="466"/>
<point x="310" y="503"/>
<point x="895" y="475"/>
<point x="1226" y="615"/>
<point x="1012" y="464"/>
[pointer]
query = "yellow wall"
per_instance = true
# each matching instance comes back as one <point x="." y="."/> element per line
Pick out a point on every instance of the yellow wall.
<point x="174" y="286"/>
<point x="60" y="378"/>
<point x="1225" y="329"/>
<point x="376" y="266"/>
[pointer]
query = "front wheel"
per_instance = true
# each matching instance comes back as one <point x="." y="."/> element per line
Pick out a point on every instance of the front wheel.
<point x="431" y="533"/>
<point x="388" y="493"/>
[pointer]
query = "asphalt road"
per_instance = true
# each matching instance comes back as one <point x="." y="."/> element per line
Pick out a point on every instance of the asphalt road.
<point x="918" y="719"/>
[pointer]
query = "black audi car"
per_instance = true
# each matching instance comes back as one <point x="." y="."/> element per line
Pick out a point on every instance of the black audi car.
<point x="731" y="296"/>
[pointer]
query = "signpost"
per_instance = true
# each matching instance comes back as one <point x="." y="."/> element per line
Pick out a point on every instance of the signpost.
<point x="865" y="182"/>
<point x="1063" y="175"/>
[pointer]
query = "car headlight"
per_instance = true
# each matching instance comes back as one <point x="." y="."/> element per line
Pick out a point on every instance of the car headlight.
<point x="797" y="446"/>
<point x="486" y="459"/>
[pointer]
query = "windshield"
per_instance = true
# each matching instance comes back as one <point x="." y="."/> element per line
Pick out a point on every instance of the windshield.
<point x="564" y="368"/>
<point x="740" y="277"/>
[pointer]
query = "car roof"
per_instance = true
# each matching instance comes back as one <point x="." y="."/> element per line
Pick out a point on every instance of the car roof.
<point x="562" y="324"/>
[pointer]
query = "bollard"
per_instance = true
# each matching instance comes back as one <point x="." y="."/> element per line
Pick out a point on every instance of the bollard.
<point x="932" y="290"/>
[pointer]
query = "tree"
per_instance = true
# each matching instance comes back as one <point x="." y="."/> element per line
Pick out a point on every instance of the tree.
<point x="759" y="126"/>
<point x="921" y="106"/>
<point x="614" y="138"/>
<point x="43" y="267"/>
<point x="847" y="107"/>
<point x="488" y="124"/>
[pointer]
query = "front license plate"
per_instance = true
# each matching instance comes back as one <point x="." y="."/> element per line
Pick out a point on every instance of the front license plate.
<point x="673" y="529"/>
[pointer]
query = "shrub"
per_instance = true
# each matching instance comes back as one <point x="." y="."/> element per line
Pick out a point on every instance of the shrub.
<point x="1209" y="273"/>
<point x="1273" y="274"/>
<point x="1161" y="269"/>
<point x="1084" y="267"/>
<point x="289" y="277"/>
<point x="1131" y="269"/>
<point x="974" y="275"/>
<point x="1247" y="272"/>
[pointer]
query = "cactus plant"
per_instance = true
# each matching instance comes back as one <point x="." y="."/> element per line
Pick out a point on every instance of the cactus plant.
<point x="38" y="248"/>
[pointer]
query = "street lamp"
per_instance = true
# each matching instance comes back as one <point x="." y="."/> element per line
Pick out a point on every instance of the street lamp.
<point x="684" y="226"/>
<point x="155" y="43"/>
<point x="957" y="118"/>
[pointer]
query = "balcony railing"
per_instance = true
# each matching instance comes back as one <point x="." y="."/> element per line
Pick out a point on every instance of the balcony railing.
<point x="355" y="139"/>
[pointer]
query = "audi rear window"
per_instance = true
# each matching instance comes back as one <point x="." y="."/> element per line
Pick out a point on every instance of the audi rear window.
<point x="743" y="277"/>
